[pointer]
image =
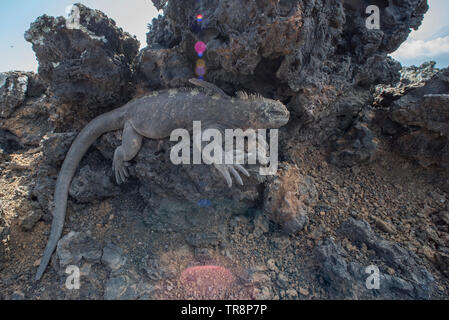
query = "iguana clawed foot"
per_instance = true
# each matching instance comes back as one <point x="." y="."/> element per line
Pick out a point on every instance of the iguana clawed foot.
<point x="258" y="149"/>
<point x="227" y="169"/>
<point x="120" y="169"/>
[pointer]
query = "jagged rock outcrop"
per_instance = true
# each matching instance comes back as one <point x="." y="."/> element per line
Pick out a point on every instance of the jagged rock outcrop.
<point x="24" y="116"/>
<point x="417" y="116"/>
<point x="92" y="184"/>
<point x="346" y="277"/>
<point x="289" y="199"/>
<point x="319" y="56"/>
<point x="87" y="66"/>
<point x="132" y="241"/>
<point x="410" y="78"/>
<point x="76" y="246"/>
<point x="359" y="145"/>
<point x="15" y="88"/>
<point x="193" y="183"/>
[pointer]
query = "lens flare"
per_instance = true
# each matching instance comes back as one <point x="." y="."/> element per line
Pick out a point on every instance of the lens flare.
<point x="200" y="72"/>
<point x="200" y="48"/>
<point x="206" y="282"/>
<point x="201" y="63"/>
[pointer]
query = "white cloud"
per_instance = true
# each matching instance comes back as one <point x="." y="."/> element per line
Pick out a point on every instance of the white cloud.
<point x="422" y="48"/>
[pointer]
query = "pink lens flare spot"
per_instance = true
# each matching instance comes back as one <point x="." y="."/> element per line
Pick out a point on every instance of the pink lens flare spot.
<point x="206" y="282"/>
<point x="200" y="48"/>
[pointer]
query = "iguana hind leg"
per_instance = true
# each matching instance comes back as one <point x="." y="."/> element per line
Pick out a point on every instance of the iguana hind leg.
<point x="131" y="144"/>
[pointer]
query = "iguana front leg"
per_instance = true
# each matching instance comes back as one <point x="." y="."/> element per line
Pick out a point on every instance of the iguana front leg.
<point x="225" y="169"/>
<point x="131" y="144"/>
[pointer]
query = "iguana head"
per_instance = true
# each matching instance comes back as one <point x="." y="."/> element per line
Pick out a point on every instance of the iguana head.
<point x="263" y="113"/>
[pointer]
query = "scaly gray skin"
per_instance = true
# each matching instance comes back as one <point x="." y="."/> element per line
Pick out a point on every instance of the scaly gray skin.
<point x="155" y="116"/>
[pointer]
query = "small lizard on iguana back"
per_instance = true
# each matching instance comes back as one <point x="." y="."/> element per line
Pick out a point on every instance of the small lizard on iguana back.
<point x="155" y="116"/>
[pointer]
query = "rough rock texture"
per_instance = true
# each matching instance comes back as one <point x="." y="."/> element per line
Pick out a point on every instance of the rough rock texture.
<point x="56" y="145"/>
<point x="87" y="68"/>
<point x="346" y="279"/>
<point x="358" y="146"/>
<point x="4" y="232"/>
<point x="192" y="183"/>
<point x="76" y="246"/>
<point x="113" y="257"/>
<point x="120" y="288"/>
<point x="8" y="144"/>
<point x="417" y="283"/>
<point x="13" y="90"/>
<point x="15" y="87"/>
<point x="290" y="198"/>
<point x="417" y="116"/>
<point x="24" y="106"/>
<point x="22" y="102"/>
<point x="338" y="158"/>
<point x="29" y="221"/>
<point x="90" y="185"/>
<point x="319" y="56"/>
<point x="410" y="78"/>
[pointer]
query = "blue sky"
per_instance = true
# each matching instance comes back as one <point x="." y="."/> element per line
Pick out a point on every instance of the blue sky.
<point x="431" y="42"/>
<point x="17" y="15"/>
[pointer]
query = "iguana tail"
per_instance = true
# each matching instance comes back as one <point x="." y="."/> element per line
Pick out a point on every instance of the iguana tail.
<point x="111" y="121"/>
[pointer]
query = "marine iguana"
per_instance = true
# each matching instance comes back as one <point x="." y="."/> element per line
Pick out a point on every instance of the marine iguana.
<point x="155" y="116"/>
